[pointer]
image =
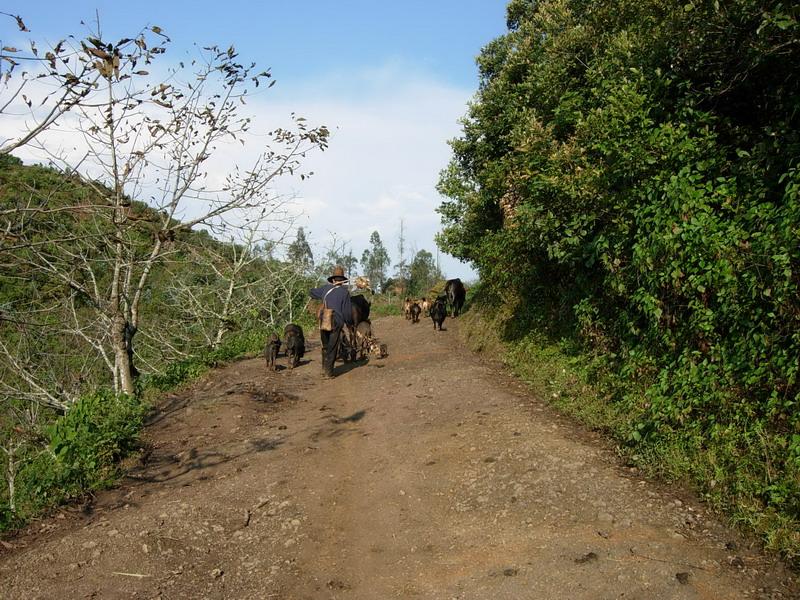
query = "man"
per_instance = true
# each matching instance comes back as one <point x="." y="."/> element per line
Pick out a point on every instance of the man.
<point x="334" y="296"/>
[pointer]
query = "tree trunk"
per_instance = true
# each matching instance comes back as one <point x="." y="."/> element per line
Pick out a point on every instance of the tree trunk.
<point x="130" y="331"/>
<point x="11" y="476"/>
<point x="226" y="307"/>
<point x="122" y="357"/>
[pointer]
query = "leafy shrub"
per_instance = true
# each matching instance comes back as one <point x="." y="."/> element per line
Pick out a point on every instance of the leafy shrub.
<point x="90" y="438"/>
<point x="83" y="449"/>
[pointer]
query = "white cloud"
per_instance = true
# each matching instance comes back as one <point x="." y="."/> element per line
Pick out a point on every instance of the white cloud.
<point x="390" y="127"/>
<point x="388" y="145"/>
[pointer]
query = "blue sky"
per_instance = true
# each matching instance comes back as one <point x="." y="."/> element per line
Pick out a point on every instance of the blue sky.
<point x="390" y="78"/>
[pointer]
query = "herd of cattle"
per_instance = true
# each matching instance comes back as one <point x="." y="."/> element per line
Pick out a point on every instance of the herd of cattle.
<point x="452" y="300"/>
<point x="358" y="340"/>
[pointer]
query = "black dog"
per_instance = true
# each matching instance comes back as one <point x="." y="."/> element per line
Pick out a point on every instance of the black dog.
<point x="295" y="344"/>
<point x="438" y="313"/>
<point x="271" y="351"/>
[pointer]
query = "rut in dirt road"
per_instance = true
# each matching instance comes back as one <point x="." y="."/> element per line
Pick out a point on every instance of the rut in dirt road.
<point x="429" y="474"/>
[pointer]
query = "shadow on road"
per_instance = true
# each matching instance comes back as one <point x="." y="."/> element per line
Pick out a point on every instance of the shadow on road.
<point x="198" y="465"/>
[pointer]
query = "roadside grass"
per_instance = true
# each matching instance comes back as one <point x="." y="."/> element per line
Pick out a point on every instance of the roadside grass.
<point x="385" y="306"/>
<point x="727" y="471"/>
<point x="549" y="367"/>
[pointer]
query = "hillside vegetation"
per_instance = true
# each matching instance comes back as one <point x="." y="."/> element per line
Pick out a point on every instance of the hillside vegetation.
<point x="137" y="257"/>
<point x="627" y="185"/>
<point x="190" y="322"/>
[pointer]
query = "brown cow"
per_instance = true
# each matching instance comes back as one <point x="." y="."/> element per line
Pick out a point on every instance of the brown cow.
<point x="407" y="308"/>
<point x="426" y="307"/>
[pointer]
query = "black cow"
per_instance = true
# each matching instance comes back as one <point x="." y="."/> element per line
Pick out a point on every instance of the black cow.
<point x="361" y="308"/>
<point x="348" y="345"/>
<point x="456" y="294"/>
<point x="438" y="312"/>
<point x="295" y="344"/>
<point x="415" y="311"/>
<point x="271" y="351"/>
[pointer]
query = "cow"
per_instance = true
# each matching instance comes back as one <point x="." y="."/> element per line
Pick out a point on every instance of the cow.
<point x="271" y="351"/>
<point x="407" y="308"/>
<point x="360" y="306"/>
<point x="415" y="310"/>
<point x="438" y="312"/>
<point x="295" y="344"/>
<point x="426" y="307"/>
<point x="456" y="294"/>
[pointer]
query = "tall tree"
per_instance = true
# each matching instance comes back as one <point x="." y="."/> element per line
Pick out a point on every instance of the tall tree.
<point x="299" y="253"/>
<point x="423" y="273"/>
<point x="349" y="262"/>
<point x="375" y="261"/>
<point x="401" y="268"/>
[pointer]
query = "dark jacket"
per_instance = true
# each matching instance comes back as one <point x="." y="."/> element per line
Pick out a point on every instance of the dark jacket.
<point x="338" y="300"/>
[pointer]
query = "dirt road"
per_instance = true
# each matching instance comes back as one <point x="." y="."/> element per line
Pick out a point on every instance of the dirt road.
<point x="429" y="474"/>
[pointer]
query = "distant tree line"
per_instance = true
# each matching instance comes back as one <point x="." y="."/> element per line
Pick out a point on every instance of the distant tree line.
<point x="414" y="279"/>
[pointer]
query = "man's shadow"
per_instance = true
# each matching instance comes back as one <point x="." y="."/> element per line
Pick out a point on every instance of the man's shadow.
<point x="348" y="366"/>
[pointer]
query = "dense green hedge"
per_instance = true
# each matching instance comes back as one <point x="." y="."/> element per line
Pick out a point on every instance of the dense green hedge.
<point x="630" y="170"/>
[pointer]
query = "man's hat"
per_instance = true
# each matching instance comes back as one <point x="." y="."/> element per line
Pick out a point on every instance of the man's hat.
<point x="337" y="275"/>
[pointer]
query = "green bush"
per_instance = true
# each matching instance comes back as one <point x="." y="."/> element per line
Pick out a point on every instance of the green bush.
<point x="93" y="435"/>
<point x="83" y="450"/>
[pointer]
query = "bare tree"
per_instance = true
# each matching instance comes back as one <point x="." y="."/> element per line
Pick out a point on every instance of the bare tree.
<point x="337" y="252"/>
<point x="47" y="84"/>
<point x="134" y="137"/>
<point x="245" y="285"/>
<point x="16" y="436"/>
